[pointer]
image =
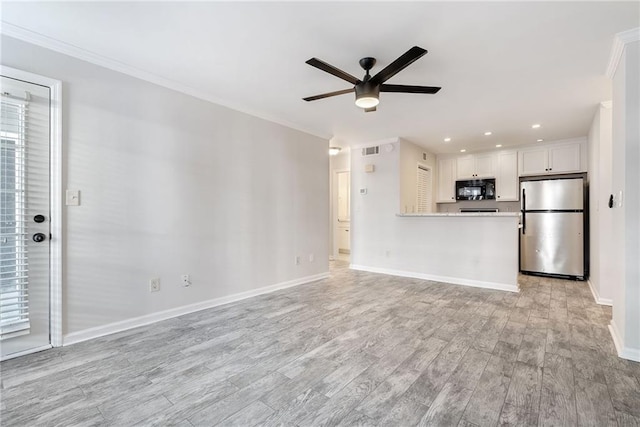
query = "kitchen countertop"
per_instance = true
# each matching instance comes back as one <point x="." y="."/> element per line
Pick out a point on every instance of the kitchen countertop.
<point x="461" y="214"/>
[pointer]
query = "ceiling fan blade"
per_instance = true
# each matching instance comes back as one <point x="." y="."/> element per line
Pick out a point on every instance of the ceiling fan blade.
<point x="327" y="95"/>
<point x="369" y="110"/>
<point x="399" y="64"/>
<point x="409" y="89"/>
<point x="315" y="62"/>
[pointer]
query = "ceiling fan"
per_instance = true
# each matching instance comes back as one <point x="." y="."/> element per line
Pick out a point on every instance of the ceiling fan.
<point x="368" y="89"/>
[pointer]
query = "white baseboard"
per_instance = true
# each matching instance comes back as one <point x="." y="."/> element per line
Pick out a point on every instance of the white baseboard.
<point x="596" y="296"/>
<point x="111" y="328"/>
<point x="623" y="352"/>
<point x="454" y="280"/>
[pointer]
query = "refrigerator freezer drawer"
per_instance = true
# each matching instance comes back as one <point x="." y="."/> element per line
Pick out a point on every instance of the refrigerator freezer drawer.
<point x="552" y="243"/>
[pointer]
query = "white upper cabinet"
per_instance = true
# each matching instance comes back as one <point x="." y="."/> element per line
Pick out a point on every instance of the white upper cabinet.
<point x="507" y="177"/>
<point x="476" y="166"/>
<point x="564" y="158"/>
<point x="466" y="167"/>
<point x="552" y="159"/>
<point x="446" y="180"/>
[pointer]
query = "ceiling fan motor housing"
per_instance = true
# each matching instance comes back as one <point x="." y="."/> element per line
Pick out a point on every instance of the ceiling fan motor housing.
<point x="367" y="90"/>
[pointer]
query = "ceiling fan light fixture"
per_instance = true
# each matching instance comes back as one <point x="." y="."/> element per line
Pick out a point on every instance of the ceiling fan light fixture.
<point x="367" y="102"/>
<point x="367" y="95"/>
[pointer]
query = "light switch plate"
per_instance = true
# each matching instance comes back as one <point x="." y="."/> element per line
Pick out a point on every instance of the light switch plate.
<point x="72" y="197"/>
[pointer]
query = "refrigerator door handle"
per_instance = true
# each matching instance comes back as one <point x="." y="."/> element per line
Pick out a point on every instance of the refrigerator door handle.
<point x="524" y="212"/>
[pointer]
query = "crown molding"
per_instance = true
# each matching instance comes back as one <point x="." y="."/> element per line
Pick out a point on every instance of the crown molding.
<point x="55" y="45"/>
<point x="620" y="40"/>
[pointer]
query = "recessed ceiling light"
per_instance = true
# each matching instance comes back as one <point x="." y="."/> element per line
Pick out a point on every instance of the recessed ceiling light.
<point x="487" y="133"/>
<point x="498" y="145"/>
<point x="540" y="140"/>
<point x="536" y="126"/>
<point x="463" y="150"/>
<point x="447" y="139"/>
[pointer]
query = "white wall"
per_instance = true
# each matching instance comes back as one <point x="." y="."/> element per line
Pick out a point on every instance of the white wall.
<point x="172" y="184"/>
<point x="410" y="157"/>
<point x="626" y="216"/>
<point x="600" y="216"/>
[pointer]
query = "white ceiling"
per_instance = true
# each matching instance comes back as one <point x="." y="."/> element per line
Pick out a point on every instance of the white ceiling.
<point x="502" y="65"/>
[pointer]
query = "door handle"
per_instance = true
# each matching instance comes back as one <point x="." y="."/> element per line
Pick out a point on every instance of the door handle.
<point x="39" y="237"/>
<point x="524" y="212"/>
<point x="611" y="201"/>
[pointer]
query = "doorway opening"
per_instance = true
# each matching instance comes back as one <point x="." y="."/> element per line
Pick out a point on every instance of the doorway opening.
<point x="340" y="203"/>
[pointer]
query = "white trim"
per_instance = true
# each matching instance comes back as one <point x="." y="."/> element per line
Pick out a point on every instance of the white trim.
<point x="55" y="244"/>
<point x="112" y="64"/>
<point x="55" y="268"/>
<point x="607" y="104"/>
<point x="623" y="352"/>
<point x="596" y="295"/>
<point x="619" y="42"/>
<point x="99" y="331"/>
<point x="445" y="279"/>
<point x="25" y="352"/>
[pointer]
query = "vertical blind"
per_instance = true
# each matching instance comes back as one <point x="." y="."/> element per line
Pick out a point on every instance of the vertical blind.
<point x="14" y="260"/>
<point x="424" y="201"/>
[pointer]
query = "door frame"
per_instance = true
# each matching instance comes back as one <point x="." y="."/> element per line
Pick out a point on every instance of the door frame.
<point x="55" y="189"/>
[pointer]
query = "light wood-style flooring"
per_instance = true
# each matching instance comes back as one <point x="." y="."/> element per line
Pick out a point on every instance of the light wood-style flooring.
<point x="358" y="349"/>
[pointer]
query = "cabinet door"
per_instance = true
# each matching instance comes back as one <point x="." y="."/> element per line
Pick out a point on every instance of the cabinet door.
<point x="507" y="177"/>
<point x="564" y="158"/>
<point x="485" y="166"/>
<point x="446" y="180"/>
<point x="533" y="162"/>
<point x="466" y="167"/>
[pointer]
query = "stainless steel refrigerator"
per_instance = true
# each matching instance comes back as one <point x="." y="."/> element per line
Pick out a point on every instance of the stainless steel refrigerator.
<point x="554" y="225"/>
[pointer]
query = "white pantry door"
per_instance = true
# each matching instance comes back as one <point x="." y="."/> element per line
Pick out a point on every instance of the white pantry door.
<point x="24" y="217"/>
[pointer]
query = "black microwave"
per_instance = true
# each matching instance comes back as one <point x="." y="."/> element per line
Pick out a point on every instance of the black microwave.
<point x="476" y="189"/>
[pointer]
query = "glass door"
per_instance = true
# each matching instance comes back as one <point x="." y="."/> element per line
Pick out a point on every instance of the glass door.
<point x="24" y="217"/>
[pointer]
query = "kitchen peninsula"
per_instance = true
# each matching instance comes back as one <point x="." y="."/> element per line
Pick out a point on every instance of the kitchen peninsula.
<point x="472" y="249"/>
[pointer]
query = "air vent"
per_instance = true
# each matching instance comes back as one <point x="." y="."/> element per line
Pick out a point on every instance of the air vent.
<point x="370" y="151"/>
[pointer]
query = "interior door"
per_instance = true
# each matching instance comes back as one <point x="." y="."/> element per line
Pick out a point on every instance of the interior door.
<point x="24" y="217"/>
<point x="343" y="213"/>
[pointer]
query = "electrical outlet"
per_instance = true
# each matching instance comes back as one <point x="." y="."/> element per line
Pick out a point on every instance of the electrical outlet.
<point x="186" y="280"/>
<point x="154" y="284"/>
<point x="297" y="260"/>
